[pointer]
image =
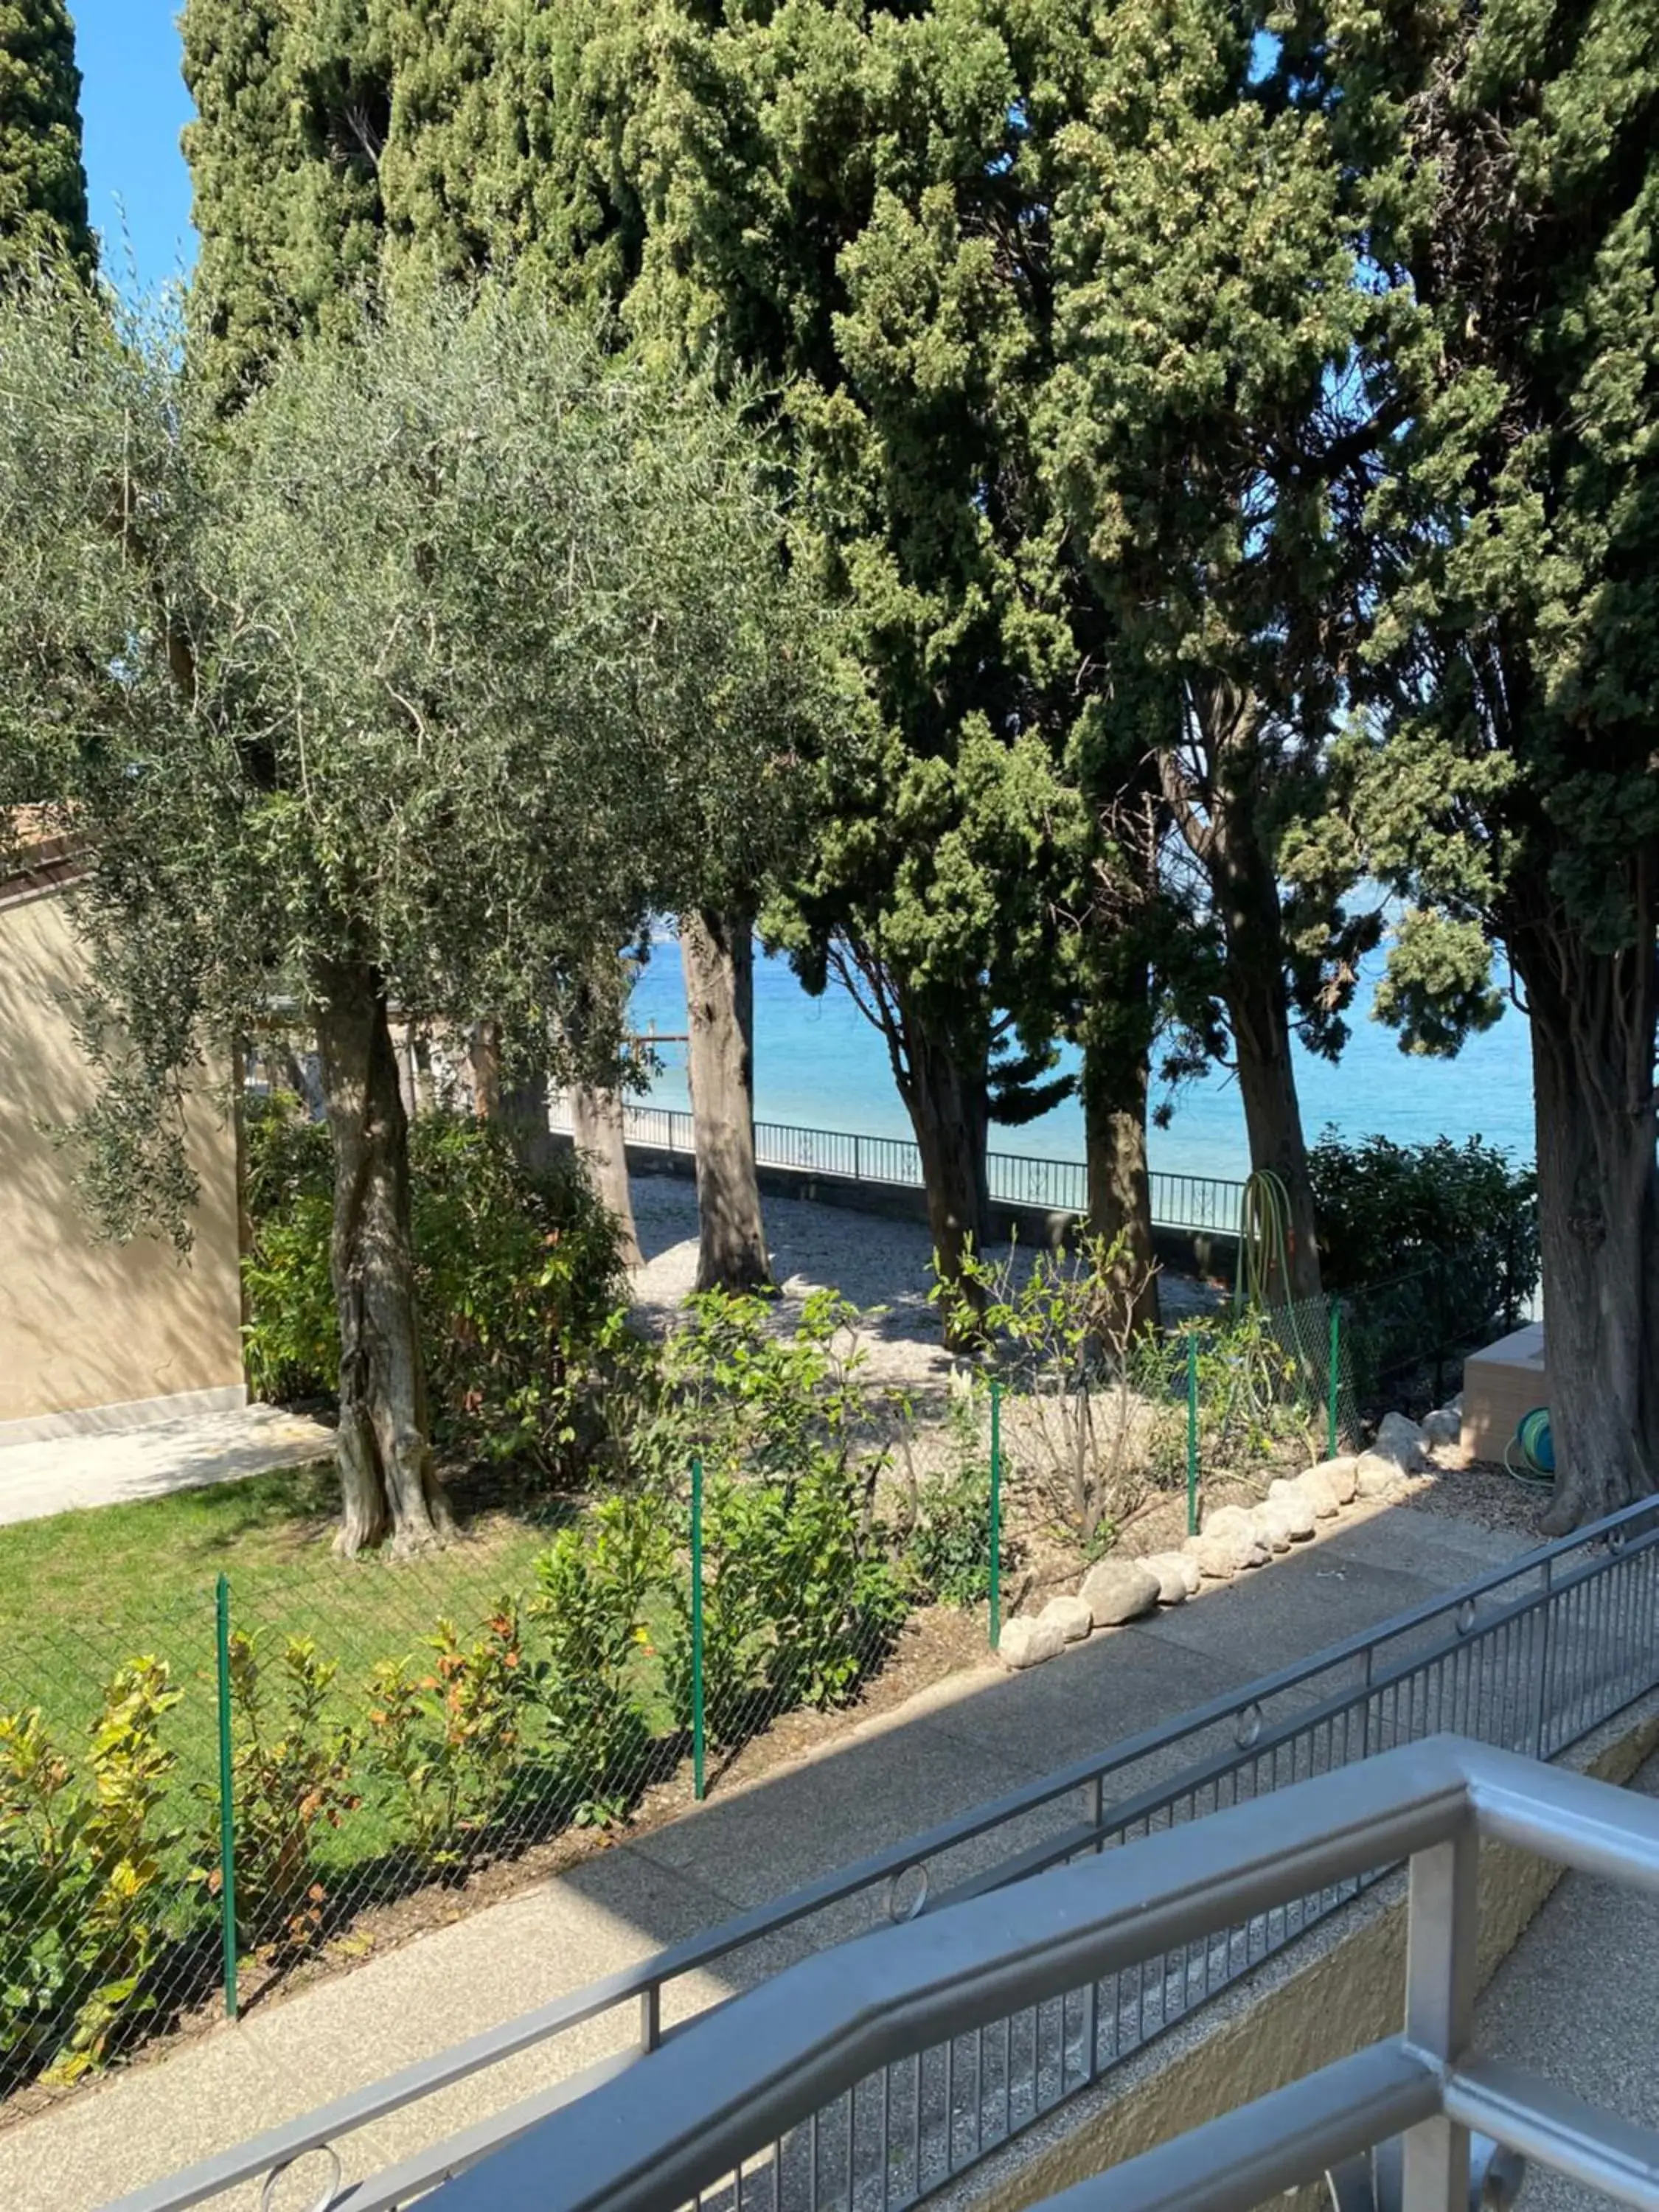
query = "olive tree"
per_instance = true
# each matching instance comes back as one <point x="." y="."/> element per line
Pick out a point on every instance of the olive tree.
<point x="407" y="686"/>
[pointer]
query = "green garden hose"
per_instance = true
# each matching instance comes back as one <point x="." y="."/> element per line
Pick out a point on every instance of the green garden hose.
<point x="1536" y="1447"/>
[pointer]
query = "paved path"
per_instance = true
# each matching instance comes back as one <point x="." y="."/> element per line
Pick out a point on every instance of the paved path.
<point x="64" y="1472"/>
<point x="1577" y="2001"/>
<point x="965" y="1740"/>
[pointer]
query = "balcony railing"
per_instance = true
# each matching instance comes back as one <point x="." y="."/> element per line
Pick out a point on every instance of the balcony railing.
<point x="1530" y="1657"/>
<point x="725" y="2117"/>
<point x="1201" y="1204"/>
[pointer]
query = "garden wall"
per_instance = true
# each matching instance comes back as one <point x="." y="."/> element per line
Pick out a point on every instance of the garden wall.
<point x="94" y="1334"/>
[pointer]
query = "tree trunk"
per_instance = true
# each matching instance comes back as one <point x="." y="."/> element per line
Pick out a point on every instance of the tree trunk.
<point x="523" y="1115"/>
<point x="1260" y="1021"/>
<point x="1593" y="1037"/>
<point x="1114" y="1087"/>
<point x="484" y="1057"/>
<point x="718" y="950"/>
<point x="384" y="1457"/>
<point x="1245" y="893"/>
<point x="596" y="1118"/>
<point x="950" y="1111"/>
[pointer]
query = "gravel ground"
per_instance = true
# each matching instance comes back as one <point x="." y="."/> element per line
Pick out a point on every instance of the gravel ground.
<point x="884" y="1267"/>
<point x="1477" y="1492"/>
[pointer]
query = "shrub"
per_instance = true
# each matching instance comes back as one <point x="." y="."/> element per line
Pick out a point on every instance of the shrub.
<point x="594" y="1588"/>
<point x="800" y="1601"/>
<point x="1386" y="1210"/>
<point x="447" y="1735"/>
<point x="749" y="1400"/>
<point x="80" y="1879"/>
<point x="519" y="1283"/>
<point x="291" y="1767"/>
<point x="1061" y="1335"/>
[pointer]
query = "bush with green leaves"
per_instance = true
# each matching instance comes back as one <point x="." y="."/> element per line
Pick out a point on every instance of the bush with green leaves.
<point x="946" y="1530"/>
<point x="292" y="1764"/>
<point x="749" y="1398"/>
<point x="518" y="1281"/>
<point x="81" y="1882"/>
<point x="446" y="1734"/>
<point x="801" y="1599"/>
<point x="1387" y="1210"/>
<point x="595" y="1588"/>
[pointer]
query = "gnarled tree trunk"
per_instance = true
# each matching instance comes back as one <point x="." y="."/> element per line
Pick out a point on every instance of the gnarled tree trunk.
<point x="949" y="1107"/>
<point x="718" y="952"/>
<point x="1114" y="1087"/>
<point x="596" y="1119"/>
<point x="388" y="1485"/>
<point x="1593" y="1038"/>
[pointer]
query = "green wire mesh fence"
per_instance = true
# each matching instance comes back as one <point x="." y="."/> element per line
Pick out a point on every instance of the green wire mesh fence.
<point x="304" y="1760"/>
<point x="195" y="1799"/>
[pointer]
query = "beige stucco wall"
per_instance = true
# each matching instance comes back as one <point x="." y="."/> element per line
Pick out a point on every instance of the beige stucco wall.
<point x="85" y="1323"/>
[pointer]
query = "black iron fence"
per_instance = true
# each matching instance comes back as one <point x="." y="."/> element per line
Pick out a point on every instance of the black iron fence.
<point x="1202" y="1204"/>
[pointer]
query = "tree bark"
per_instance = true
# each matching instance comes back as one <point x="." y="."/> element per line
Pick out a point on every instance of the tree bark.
<point x="1221" y="823"/>
<point x="1115" y="1088"/>
<point x="950" y="1111"/>
<point x="597" y="1117"/>
<point x="1592" y="1019"/>
<point x="718" y="950"/>
<point x="1261" y="1025"/>
<point x="388" y="1485"/>
<point x="485" y="1058"/>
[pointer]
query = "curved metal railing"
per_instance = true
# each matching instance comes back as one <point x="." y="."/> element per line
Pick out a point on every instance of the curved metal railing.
<point x="1531" y="1658"/>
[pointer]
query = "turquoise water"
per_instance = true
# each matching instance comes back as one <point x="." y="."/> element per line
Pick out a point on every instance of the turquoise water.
<point x="819" y="1063"/>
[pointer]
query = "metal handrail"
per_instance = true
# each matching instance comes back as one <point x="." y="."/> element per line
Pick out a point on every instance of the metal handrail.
<point x="1202" y="1204"/>
<point x="1554" y="1577"/>
<point x="692" y="2117"/>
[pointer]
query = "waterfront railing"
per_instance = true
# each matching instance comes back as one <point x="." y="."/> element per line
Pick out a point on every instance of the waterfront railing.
<point x="1202" y="1204"/>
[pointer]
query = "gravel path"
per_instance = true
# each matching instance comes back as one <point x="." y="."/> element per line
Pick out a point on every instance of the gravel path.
<point x="884" y="1267"/>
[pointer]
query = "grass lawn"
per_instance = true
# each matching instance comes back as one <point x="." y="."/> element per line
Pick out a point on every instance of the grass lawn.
<point x="83" y="1592"/>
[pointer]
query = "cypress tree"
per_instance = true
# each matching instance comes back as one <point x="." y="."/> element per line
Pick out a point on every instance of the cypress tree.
<point x="43" y="186"/>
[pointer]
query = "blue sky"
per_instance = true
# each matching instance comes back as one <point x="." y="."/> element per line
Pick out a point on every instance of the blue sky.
<point x="133" y="104"/>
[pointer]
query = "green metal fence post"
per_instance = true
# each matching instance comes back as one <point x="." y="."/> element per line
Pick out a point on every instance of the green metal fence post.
<point x="697" y="1745"/>
<point x="226" y="1801"/>
<point x="996" y="1516"/>
<point x="1192" y="1433"/>
<point x="1331" y="1390"/>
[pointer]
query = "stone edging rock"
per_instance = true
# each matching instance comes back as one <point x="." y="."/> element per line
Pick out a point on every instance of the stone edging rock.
<point x="1233" y="1539"/>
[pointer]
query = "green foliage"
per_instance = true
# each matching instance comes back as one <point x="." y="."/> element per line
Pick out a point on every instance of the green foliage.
<point x="1385" y="1209"/>
<point x="1262" y="1375"/>
<point x="749" y="1398"/>
<point x="43" y="186"/>
<point x="456" y="554"/>
<point x="445" y="1733"/>
<point x="291" y="1765"/>
<point x="947" y="1550"/>
<point x="519" y="1283"/>
<point x="81" y="1878"/>
<point x="594" y="1588"/>
<point x="800" y="1601"/>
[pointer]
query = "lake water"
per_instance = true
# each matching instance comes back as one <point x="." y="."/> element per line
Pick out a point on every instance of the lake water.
<point x="820" y="1063"/>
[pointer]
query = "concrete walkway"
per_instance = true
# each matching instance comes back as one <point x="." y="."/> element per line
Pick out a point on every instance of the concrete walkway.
<point x="967" y="1740"/>
<point x="1577" y="2002"/>
<point x="64" y="1473"/>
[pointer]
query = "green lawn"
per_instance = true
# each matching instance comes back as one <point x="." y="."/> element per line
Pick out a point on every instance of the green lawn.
<point x="83" y="1592"/>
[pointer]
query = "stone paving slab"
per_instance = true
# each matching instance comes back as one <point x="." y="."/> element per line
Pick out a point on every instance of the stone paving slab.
<point x="66" y="1474"/>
